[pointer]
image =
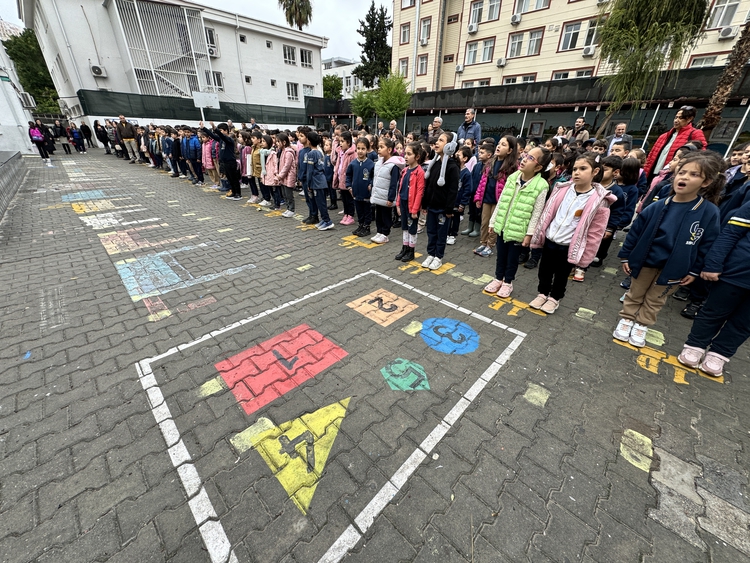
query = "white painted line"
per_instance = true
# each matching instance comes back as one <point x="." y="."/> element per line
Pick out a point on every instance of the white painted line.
<point x="212" y="532"/>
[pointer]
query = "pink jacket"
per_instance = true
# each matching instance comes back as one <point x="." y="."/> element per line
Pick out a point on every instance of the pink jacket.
<point x="590" y="230"/>
<point x="288" y="168"/>
<point x="272" y="168"/>
<point x="499" y="185"/>
<point x="339" y="172"/>
<point x="244" y="152"/>
<point x="207" y="159"/>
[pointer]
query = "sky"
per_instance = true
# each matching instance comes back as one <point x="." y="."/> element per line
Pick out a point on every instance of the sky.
<point x="336" y="19"/>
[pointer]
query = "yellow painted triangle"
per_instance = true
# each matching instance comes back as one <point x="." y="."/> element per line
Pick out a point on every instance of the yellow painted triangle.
<point x="296" y="451"/>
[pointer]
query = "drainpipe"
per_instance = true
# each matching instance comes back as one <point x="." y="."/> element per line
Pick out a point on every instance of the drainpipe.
<point x="416" y="46"/>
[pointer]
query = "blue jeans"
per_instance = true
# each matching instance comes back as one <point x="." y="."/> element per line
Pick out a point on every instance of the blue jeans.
<point x="437" y="233"/>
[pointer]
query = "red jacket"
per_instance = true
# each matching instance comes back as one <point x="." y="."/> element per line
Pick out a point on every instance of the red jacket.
<point x="416" y="188"/>
<point x="684" y="136"/>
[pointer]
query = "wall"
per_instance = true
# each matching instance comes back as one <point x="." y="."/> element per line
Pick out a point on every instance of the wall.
<point x="12" y="169"/>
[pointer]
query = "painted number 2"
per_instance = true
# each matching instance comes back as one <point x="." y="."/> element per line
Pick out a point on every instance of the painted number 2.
<point x="385" y="308"/>
<point x="289" y="447"/>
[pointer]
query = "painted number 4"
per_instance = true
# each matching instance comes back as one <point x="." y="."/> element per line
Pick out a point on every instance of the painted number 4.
<point x="289" y="447"/>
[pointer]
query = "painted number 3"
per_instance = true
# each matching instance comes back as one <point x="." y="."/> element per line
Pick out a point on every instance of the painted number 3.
<point x="380" y="305"/>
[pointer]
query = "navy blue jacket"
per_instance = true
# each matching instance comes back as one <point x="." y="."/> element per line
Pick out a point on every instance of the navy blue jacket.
<point x="373" y="155"/>
<point x="661" y="191"/>
<point x="465" y="188"/>
<point x="490" y="190"/>
<point x="631" y="194"/>
<point x="696" y="232"/>
<point x="166" y="145"/>
<point x="734" y="196"/>
<point x="730" y="254"/>
<point x="301" y="167"/>
<point x="359" y="176"/>
<point x="616" y="209"/>
<point x="328" y="169"/>
<point x="476" y="176"/>
<point x="226" y="144"/>
<point x="642" y="183"/>
<point x="315" y="177"/>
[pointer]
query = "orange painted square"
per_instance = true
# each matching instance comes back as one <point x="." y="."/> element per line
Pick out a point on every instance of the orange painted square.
<point x="382" y="306"/>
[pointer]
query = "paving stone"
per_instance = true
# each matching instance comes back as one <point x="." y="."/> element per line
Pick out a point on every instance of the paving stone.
<point x="383" y="541"/>
<point x="58" y="530"/>
<point x="144" y="548"/>
<point x="580" y="495"/>
<point x="19" y="518"/>
<point x="100" y="541"/>
<point x="561" y="529"/>
<point x="617" y="542"/>
<point x="17" y="485"/>
<point x="134" y="514"/>
<point x="54" y="495"/>
<point x="93" y="504"/>
<point x="455" y="524"/>
<point x="437" y="548"/>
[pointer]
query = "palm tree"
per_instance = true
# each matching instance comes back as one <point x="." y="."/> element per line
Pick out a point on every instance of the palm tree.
<point x="298" y="13"/>
<point x="732" y="72"/>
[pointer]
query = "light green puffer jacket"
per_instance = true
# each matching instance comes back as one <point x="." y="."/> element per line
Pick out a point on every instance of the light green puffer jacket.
<point x="516" y="206"/>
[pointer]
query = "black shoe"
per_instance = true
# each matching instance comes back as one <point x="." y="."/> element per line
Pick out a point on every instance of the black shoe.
<point x="365" y="232"/>
<point x="409" y="256"/>
<point x="404" y="250"/>
<point x="532" y="263"/>
<point x="596" y="263"/>
<point x="523" y="257"/>
<point x="332" y="207"/>
<point x="311" y="220"/>
<point x="691" y="311"/>
<point x="625" y="284"/>
<point x="682" y="294"/>
<point x="356" y="232"/>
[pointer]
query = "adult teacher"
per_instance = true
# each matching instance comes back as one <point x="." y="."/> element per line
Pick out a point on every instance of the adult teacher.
<point x="667" y="144"/>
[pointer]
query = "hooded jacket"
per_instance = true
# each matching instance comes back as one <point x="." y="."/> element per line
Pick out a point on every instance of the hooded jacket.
<point x="288" y="168"/>
<point x="588" y="233"/>
<point x="385" y="181"/>
<point x="342" y="163"/>
<point x="442" y="198"/>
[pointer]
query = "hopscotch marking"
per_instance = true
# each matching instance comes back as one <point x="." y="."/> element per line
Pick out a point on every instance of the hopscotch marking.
<point x="210" y="527"/>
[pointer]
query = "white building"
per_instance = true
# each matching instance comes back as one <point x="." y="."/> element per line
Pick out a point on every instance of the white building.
<point x="172" y="48"/>
<point x="344" y="68"/>
<point x="14" y="117"/>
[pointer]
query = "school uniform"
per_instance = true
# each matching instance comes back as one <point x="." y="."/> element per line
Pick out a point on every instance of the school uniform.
<point x="463" y="199"/>
<point x="438" y="201"/>
<point x="359" y="176"/>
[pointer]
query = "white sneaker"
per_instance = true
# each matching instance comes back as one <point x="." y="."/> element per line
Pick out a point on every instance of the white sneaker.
<point x="254" y="199"/>
<point x="638" y="335"/>
<point x="288" y="214"/>
<point x="376" y="237"/>
<point x="265" y="203"/>
<point x="428" y="261"/>
<point x="436" y="263"/>
<point x="383" y="239"/>
<point x="622" y="332"/>
<point x="450" y="240"/>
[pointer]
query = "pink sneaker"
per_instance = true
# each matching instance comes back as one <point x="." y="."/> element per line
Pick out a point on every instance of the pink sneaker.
<point x="713" y="364"/>
<point x="506" y="290"/>
<point x="493" y="286"/>
<point x="347" y="220"/>
<point x="691" y="356"/>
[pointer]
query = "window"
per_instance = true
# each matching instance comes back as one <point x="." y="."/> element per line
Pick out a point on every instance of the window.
<point x="308" y="90"/>
<point x="476" y="12"/>
<point x="216" y="80"/>
<point x="448" y="59"/>
<point x="62" y="73"/>
<point x="211" y="37"/>
<point x="566" y="74"/>
<point x="723" y="13"/>
<point x="327" y="66"/>
<point x="243" y="38"/>
<point x="292" y="91"/>
<point x="529" y="78"/>
<point x="510" y="80"/>
<point x="453" y="19"/>
<point x="422" y="65"/>
<point x="484" y="82"/>
<point x="488" y="49"/>
<point x="699" y="62"/>
<point x="570" y="36"/>
<point x="348" y="82"/>
<point x="592" y="34"/>
<point x="468" y="84"/>
<point x="424" y="28"/>
<point x="560" y="75"/>
<point x="305" y="58"/>
<point x="493" y="11"/>
<point x="515" y="45"/>
<point x="269" y="44"/>
<point x="421" y="90"/>
<point x="290" y="55"/>
<point x="248" y="79"/>
<point x="535" y="42"/>
<point x="584" y="73"/>
<point x="522" y="79"/>
<point x="407" y="4"/>
<point x="523" y="6"/>
<point x="403" y="67"/>
<point x="471" y="53"/>
<point x="404" y="36"/>
<point x="273" y="83"/>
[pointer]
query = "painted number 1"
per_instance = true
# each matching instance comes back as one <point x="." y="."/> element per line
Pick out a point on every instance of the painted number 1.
<point x="289" y="447"/>
<point x="385" y="308"/>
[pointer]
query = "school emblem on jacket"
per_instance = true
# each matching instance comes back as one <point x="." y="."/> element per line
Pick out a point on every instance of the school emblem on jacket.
<point x="366" y="175"/>
<point x="696" y="232"/>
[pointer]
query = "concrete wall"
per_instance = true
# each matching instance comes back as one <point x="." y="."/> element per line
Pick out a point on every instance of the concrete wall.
<point x="12" y="169"/>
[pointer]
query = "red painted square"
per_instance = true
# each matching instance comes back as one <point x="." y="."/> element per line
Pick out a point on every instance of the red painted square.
<point x="263" y="373"/>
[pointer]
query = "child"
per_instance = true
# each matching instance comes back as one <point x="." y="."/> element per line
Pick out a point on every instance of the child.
<point x="620" y="148"/>
<point x="628" y="182"/>
<point x="599" y="147"/>
<point x="491" y="186"/>
<point x="640" y="156"/>
<point x="473" y="160"/>
<point x="475" y="212"/>
<point x="570" y="230"/>
<point x="409" y="198"/>
<point x="384" y="185"/>
<point x="286" y="177"/>
<point x="668" y="242"/>
<point x="328" y="167"/>
<point x="255" y="168"/>
<point x="303" y="149"/>
<point x="271" y="168"/>
<point x="227" y="158"/>
<point x="661" y="185"/>
<point x="359" y="176"/>
<point x="347" y="154"/>
<point x="439" y="196"/>
<point x="207" y="146"/>
<point x="465" y="190"/>
<point x="517" y="214"/>
<point x="245" y="140"/>
<point x="611" y="166"/>
<point x="315" y="179"/>
<point x="724" y="322"/>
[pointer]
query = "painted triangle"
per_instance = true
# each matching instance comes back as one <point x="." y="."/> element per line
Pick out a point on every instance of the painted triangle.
<point x="296" y="451"/>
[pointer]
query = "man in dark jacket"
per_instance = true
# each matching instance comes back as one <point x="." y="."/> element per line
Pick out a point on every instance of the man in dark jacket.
<point x="127" y="134"/>
<point x="86" y="130"/>
<point x="469" y="129"/>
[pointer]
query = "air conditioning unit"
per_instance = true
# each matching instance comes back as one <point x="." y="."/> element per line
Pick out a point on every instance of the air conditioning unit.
<point x="27" y="100"/>
<point x="213" y="51"/>
<point x="729" y="32"/>
<point x="98" y="71"/>
<point x="473" y="28"/>
<point x="459" y="69"/>
<point x="423" y="42"/>
<point x="348" y="90"/>
<point x="589" y="51"/>
<point x="501" y="62"/>
<point x="515" y="19"/>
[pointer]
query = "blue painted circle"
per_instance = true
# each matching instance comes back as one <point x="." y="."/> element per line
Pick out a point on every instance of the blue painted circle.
<point x="449" y="336"/>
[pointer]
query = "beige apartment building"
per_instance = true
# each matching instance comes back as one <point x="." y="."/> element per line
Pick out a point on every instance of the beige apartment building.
<point x="449" y="44"/>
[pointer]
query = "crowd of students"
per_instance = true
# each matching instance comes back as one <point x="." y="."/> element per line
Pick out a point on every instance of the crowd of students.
<point x="557" y="206"/>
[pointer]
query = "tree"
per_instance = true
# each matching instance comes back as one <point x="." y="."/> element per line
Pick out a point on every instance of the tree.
<point x="363" y="104"/>
<point x="724" y="86"/>
<point x="376" y="53"/>
<point x="639" y="38"/>
<point x="393" y="97"/>
<point x="298" y="13"/>
<point x="32" y="71"/>
<point x="332" y="85"/>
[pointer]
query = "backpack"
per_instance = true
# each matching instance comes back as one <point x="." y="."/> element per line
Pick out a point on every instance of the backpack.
<point x="36" y="135"/>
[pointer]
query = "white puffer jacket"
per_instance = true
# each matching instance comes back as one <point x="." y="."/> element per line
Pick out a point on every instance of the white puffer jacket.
<point x="381" y="184"/>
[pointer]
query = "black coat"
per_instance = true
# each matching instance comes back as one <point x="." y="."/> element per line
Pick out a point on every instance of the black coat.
<point x="442" y="197"/>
